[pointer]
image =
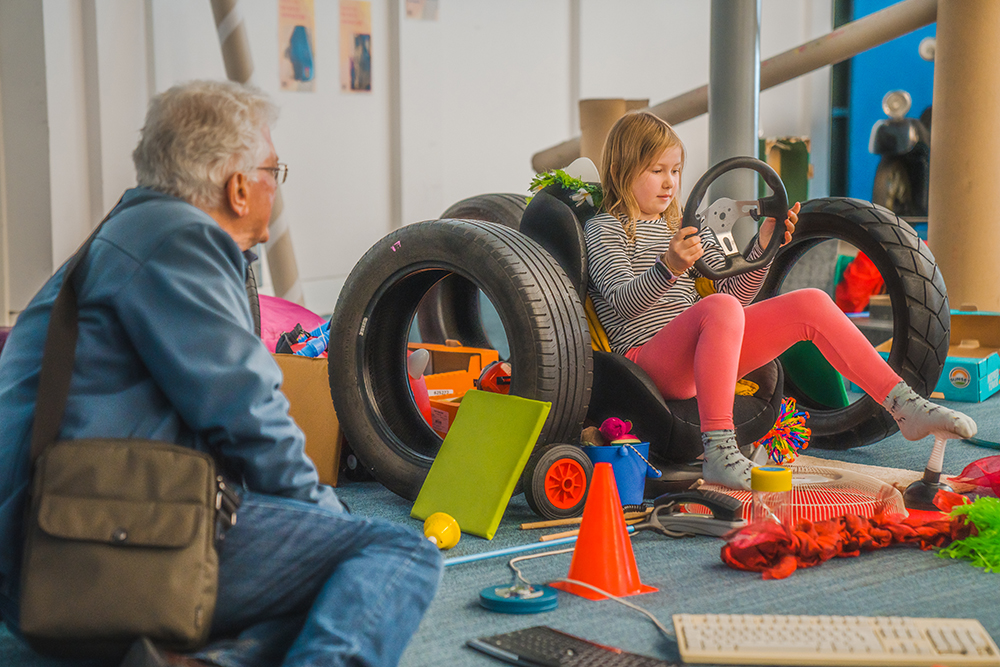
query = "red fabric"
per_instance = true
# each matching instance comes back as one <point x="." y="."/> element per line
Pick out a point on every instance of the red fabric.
<point x="777" y="551"/>
<point x="985" y="473"/>
<point x="857" y="284"/>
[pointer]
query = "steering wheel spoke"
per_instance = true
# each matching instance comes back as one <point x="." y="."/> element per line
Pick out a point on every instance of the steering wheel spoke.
<point x="721" y="216"/>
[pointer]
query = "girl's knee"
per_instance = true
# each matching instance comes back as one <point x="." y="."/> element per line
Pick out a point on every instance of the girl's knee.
<point x="814" y="294"/>
<point x="806" y="300"/>
<point x="723" y="306"/>
<point x="720" y="301"/>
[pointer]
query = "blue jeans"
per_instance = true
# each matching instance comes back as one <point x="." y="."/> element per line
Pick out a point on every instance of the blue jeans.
<point x="301" y="585"/>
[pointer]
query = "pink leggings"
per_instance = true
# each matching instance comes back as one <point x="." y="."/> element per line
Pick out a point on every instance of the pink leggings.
<point x="705" y="349"/>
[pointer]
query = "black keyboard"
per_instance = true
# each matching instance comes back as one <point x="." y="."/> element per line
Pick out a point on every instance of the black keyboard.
<point x="542" y="646"/>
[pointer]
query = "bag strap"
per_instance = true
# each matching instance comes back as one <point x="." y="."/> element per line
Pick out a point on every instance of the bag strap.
<point x="59" y="355"/>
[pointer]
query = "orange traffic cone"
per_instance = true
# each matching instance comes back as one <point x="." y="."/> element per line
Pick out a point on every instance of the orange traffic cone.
<point x="603" y="554"/>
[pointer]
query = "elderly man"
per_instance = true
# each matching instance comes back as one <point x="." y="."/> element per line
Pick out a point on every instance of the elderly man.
<point x="167" y="351"/>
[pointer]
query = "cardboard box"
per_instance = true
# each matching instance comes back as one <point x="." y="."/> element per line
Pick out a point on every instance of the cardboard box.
<point x="307" y="387"/>
<point x="443" y="411"/>
<point x="972" y="370"/>
<point x="453" y="370"/>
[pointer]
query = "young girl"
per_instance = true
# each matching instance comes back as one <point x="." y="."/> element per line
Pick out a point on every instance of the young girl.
<point x="643" y="287"/>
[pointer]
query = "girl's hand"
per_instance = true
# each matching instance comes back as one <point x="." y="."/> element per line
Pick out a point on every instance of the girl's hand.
<point x="767" y="228"/>
<point x="684" y="250"/>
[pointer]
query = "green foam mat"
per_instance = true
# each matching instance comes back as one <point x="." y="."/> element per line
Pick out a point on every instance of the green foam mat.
<point x="808" y="370"/>
<point x="482" y="457"/>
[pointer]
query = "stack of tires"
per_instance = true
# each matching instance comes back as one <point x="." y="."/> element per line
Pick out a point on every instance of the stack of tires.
<point x="403" y="275"/>
<point x="435" y="272"/>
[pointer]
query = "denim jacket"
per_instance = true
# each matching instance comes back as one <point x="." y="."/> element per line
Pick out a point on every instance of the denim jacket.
<point x="166" y="351"/>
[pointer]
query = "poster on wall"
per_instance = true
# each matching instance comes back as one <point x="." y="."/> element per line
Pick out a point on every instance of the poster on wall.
<point x="296" y="45"/>
<point x="355" y="46"/>
<point x="422" y="10"/>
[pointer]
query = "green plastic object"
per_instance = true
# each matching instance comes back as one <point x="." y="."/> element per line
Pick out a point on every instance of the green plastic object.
<point x="838" y="269"/>
<point x="808" y="370"/>
<point x="482" y="456"/>
<point x="790" y="158"/>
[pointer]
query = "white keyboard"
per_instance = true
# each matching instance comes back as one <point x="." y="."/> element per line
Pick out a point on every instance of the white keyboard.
<point x="759" y="639"/>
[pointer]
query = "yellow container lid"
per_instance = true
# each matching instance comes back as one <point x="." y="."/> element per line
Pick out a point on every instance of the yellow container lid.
<point x="771" y="479"/>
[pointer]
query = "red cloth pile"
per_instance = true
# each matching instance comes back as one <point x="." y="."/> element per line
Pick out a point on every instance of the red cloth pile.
<point x="778" y="552"/>
<point x="985" y="474"/>
<point x="857" y="284"/>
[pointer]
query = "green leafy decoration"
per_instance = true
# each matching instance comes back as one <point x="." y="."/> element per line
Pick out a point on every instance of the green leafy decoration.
<point x="983" y="548"/>
<point x="583" y="192"/>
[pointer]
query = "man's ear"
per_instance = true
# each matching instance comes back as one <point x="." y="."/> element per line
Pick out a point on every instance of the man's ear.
<point x="238" y="194"/>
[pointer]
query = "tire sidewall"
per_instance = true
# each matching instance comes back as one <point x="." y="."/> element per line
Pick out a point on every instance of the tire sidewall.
<point x="371" y="327"/>
<point x="881" y="237"/>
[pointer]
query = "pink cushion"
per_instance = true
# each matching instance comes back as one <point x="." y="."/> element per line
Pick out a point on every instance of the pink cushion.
<point x="280" y="315"/>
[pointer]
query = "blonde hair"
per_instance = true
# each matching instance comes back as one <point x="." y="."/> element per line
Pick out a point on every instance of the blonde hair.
<point x="198" y="134"/>
<point x="634" y="143"/>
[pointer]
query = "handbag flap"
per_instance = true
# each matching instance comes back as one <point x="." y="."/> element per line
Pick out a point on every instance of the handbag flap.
<point x="123" y="522"/>
<point x="137" y="470"/>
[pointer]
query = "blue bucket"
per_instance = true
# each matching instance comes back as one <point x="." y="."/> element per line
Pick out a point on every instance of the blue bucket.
<point x="630" y="469"/>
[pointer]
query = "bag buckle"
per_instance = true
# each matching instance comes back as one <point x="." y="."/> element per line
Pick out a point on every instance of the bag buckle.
<point x="226" y="504"/>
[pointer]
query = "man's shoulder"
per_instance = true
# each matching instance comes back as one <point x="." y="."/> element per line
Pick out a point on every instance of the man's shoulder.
<point x="147" y="220"/>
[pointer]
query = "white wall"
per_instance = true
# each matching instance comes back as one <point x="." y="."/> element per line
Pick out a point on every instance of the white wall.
<point x="483" y="88"/>
<point x="472" y="97"/>
<point x="659" y="49"/>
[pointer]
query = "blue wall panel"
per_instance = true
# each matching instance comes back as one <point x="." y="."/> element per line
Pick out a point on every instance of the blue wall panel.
<point x="875" y="72"/>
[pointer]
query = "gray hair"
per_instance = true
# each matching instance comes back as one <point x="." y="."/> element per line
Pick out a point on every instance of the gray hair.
<point x="200" y="133"/>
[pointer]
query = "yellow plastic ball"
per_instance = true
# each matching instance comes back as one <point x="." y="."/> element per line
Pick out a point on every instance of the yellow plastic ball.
<point x="442" y="530"/>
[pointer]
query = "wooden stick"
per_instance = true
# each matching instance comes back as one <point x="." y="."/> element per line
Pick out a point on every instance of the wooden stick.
<point x="553" y="523"/>
<point x="570" y="533"/>
<point x="556" y="536"/>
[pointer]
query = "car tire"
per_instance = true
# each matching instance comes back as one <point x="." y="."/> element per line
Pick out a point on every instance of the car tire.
<point x="921" y="315"/>
<point x="542" y="316"/>
<point x="450" y="311"/>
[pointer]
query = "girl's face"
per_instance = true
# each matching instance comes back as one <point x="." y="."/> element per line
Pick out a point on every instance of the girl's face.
<point x="658" y="184"/>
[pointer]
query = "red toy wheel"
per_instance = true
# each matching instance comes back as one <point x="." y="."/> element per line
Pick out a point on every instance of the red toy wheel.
<point x="556" y="479"/>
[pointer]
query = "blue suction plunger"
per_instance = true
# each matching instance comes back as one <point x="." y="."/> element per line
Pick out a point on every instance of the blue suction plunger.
<point x="920" y="494"/>
<point x="519" y="598"/>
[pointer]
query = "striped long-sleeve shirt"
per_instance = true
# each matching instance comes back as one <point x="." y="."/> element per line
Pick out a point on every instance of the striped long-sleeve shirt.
<point x="634" y="295"/>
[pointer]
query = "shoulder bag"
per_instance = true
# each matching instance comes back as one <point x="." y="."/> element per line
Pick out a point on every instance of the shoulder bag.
<point x="120" y="533"/>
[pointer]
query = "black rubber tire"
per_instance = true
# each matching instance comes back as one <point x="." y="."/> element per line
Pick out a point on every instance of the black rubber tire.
<point x="504" y="208"/>
<point x="451" y="308"/>
<point x="544" y="320"/>
<point x="537" y="469"/>
<point x="921" y="317"/>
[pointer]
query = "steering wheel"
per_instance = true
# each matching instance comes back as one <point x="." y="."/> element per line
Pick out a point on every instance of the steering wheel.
<point x="723" y="214"/>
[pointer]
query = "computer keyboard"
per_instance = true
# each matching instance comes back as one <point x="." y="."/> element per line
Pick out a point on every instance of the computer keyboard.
<point x="752" y="639"/>
<point x="542" y="646"/>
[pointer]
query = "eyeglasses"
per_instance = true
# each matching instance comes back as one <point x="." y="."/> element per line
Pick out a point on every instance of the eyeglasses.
<point x="280" y="172"/>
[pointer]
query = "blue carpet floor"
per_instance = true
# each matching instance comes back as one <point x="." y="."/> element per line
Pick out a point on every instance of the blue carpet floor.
<point x="689" y="574"/>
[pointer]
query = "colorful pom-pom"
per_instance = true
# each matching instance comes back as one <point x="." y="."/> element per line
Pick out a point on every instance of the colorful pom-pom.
<point x="789" y="435"/>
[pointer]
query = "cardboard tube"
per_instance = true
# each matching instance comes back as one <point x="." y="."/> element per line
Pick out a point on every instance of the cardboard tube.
<point x="596" y="119"/>
<point x="965" y="140"/>
<point x="632" y="105"/>
<point x="233" y="38"/>
<point x="286" y="282"/>
<point x="844" y="42"/>
<point x="236" y="56"/>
